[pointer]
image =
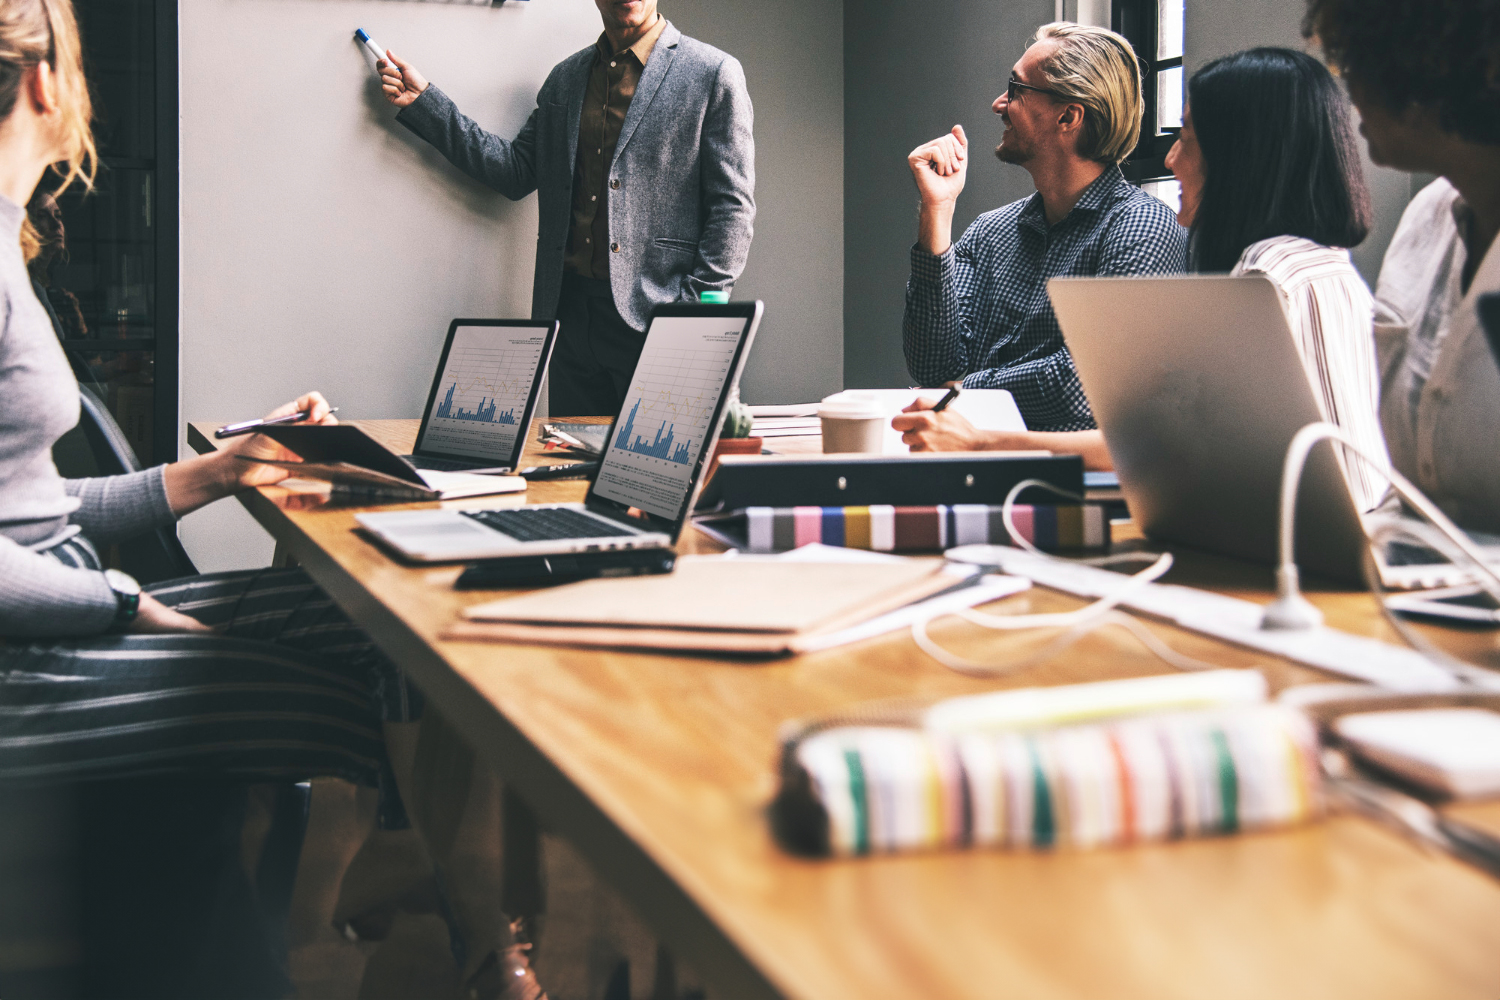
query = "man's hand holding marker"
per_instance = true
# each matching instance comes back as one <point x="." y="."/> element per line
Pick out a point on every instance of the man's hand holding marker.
<point x="400" y="80"/>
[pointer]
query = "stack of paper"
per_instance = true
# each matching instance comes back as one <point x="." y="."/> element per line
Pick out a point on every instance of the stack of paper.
<point x="987" y="409"/>
<point x="786" y="427"/>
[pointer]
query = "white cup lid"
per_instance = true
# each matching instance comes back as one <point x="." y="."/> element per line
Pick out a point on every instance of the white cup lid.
<point x="850" y="409"/>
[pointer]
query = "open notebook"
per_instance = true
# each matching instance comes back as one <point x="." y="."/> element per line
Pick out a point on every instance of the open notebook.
<point x="360" y="466"/>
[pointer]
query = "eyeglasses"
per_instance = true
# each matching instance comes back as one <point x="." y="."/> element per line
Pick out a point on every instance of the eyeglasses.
<point x="1014" y="85"/>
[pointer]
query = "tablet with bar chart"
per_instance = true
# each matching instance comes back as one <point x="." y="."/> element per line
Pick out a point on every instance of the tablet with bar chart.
<point x="669" y="411"/>
<point x="484" y="392"/>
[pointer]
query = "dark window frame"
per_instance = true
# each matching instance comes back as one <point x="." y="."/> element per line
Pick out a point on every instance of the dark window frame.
<point x="1137" y="20"/>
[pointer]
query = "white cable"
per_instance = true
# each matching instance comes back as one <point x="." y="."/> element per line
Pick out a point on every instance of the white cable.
<point x="975" y="668"/>
<point x="1443" y="535"/>
<point x="1078" y="622"/>
<point x="1296" y="458"/>
<point x="1390" y="529"/>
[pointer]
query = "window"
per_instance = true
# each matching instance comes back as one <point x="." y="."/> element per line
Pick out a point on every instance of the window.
<point x="113" y="283"/>
<point x="1155" y="29"/>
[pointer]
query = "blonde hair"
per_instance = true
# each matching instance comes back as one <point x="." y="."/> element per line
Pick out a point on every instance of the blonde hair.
<point x="37" y="31"/>
<point x="1097" y="68"/>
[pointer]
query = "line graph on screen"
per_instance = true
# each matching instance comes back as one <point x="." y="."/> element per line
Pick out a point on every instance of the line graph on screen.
<point x="486" y="384"/>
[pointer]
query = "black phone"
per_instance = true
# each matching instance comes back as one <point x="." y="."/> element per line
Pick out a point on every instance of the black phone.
<point x="541" y="571"/>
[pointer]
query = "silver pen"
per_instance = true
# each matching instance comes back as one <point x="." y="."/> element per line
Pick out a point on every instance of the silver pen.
<point x="251" y="426"/>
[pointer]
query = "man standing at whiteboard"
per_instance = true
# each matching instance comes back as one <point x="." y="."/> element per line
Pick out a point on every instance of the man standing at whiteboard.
<point x="641" y="154"/>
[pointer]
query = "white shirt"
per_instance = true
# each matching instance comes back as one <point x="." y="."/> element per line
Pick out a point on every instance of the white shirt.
<point x="1439" y="383"/>
<point x="1329" y="310"/>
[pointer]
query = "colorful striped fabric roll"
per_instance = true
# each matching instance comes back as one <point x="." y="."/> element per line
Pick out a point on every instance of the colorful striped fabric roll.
<point x="1139" y="778"/>
<point x="925" y="529"/>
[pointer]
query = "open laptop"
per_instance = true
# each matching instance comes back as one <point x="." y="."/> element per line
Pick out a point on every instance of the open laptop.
<point x="1199" y="388"/>
<point x="652" y="466"/>
<point x="483" y="395"/>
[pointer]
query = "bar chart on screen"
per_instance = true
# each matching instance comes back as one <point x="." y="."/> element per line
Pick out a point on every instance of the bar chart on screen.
<point x="483" y="389"/>
<point x="669" y="411"/>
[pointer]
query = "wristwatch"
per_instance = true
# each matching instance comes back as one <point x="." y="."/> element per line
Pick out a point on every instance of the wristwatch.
<point x="127" y="596"/>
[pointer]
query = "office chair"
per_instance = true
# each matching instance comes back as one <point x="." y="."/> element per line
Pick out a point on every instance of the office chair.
<point x="97" y="447"/>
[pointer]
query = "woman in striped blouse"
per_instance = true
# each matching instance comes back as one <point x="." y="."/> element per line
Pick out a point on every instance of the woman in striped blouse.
<point x="1272" y="185"/>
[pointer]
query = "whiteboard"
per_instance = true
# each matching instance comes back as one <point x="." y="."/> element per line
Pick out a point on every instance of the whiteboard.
<point x="324" y="245"/>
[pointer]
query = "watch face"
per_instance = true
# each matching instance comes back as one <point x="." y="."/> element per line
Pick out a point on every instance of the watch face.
<point x="122" y="583"/>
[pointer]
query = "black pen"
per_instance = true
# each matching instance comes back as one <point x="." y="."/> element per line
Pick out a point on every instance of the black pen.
<point x="562" y="470"/>
<point x="942" y="404"/>
<point x="251" y="426"/>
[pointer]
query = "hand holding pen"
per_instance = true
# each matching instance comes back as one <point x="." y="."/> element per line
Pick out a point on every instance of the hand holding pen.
<point x="924" y="425"/>
<point x="252" y="426"/>
<point x="311" y="408"/>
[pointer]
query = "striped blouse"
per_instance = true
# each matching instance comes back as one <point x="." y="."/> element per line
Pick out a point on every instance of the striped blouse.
<point x="1331" y="314"/>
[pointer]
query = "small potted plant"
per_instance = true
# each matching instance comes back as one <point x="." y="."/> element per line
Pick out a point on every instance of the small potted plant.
<point x="735" y="438"/>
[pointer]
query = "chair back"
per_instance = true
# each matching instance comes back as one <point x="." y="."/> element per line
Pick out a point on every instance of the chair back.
<point x="97" y="447"/>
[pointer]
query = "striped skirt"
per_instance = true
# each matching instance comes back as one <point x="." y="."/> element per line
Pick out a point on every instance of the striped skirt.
<point x="286" y="688"/>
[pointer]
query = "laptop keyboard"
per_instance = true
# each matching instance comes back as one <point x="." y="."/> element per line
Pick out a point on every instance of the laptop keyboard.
<point x="443" y="464"/>
<point x="541" y="524"/>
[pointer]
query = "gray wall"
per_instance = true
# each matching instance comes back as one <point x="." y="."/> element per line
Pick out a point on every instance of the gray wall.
<point x="915" y="69"/>
<point x="793" y="55"/>
<point x="324" y="246"/>
<point x="1219" y="27"/>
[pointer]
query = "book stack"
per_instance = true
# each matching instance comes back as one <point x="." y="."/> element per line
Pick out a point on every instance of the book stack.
<point x="1052" y="528"/>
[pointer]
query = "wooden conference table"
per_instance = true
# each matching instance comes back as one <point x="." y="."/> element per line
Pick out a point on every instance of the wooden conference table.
<point x="659" y="768"/>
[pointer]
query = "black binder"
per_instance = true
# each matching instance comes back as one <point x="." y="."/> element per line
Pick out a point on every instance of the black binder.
<point x="917" y="480"/>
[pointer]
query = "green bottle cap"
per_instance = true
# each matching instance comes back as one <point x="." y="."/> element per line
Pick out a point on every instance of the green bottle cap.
<point x="713" y="296"/>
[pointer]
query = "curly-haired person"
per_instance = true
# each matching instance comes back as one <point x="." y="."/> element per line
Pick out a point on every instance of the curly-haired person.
<point x="1425" y="76"/>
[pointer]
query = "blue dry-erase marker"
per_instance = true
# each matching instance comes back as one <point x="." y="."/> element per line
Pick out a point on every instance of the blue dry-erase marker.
<point x="375" y="49"/>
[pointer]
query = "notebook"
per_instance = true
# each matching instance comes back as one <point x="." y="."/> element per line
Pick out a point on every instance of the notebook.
<point x="727" y="604"/>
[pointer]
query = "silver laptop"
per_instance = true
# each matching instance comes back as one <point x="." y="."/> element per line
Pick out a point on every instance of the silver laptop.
<point x="1199" y="388"/>
<point x="483" y="395"/>
<point x="652" y="466"/>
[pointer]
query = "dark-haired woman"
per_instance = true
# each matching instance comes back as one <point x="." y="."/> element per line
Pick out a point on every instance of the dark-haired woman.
<point x="1426" y="80"/>
<point x="1271" y="185"/>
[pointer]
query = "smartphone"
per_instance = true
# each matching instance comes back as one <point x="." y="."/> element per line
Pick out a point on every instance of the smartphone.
<point x="1469" y="604"/>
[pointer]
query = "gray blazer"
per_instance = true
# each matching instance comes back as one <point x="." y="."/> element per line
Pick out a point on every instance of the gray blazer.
<point x="682" y="183"/>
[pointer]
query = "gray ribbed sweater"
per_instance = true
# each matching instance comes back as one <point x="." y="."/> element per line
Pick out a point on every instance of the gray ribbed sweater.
<point x="39" y="596"/>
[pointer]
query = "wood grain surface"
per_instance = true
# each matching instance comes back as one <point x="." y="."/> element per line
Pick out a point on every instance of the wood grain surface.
<point x="659" y="769"/>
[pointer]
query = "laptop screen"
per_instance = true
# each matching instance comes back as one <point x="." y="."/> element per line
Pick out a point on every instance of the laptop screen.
<point x="673" y="409"/>
<point x="485" y="390"/>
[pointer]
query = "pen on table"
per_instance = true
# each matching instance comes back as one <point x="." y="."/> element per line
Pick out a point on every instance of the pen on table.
<point x="942" y="404"/>
<point x="562" y="470"/>
<point x="251" y="426"/>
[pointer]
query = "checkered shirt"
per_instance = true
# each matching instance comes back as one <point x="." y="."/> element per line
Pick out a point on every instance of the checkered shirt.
<point x="979" y="311"/>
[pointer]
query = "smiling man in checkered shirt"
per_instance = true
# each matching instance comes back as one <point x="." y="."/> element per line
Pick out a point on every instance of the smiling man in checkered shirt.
<point x="978" y="310"/>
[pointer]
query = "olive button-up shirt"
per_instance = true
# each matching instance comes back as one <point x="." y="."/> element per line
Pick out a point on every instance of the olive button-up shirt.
<point x="612" y="83"/>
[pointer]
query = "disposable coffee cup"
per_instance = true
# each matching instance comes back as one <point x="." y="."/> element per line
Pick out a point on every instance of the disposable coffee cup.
<point x="852" y="425"/>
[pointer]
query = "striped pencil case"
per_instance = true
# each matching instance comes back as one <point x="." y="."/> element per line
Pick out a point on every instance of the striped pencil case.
<point x="924" y="529"/>
<point x="872" y="789"/>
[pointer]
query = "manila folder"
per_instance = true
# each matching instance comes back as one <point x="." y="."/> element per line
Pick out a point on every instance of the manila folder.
<point x="728" y="594"/>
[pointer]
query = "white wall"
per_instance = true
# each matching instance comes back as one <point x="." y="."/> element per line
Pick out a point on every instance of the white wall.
<point x="325" y="246"/>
